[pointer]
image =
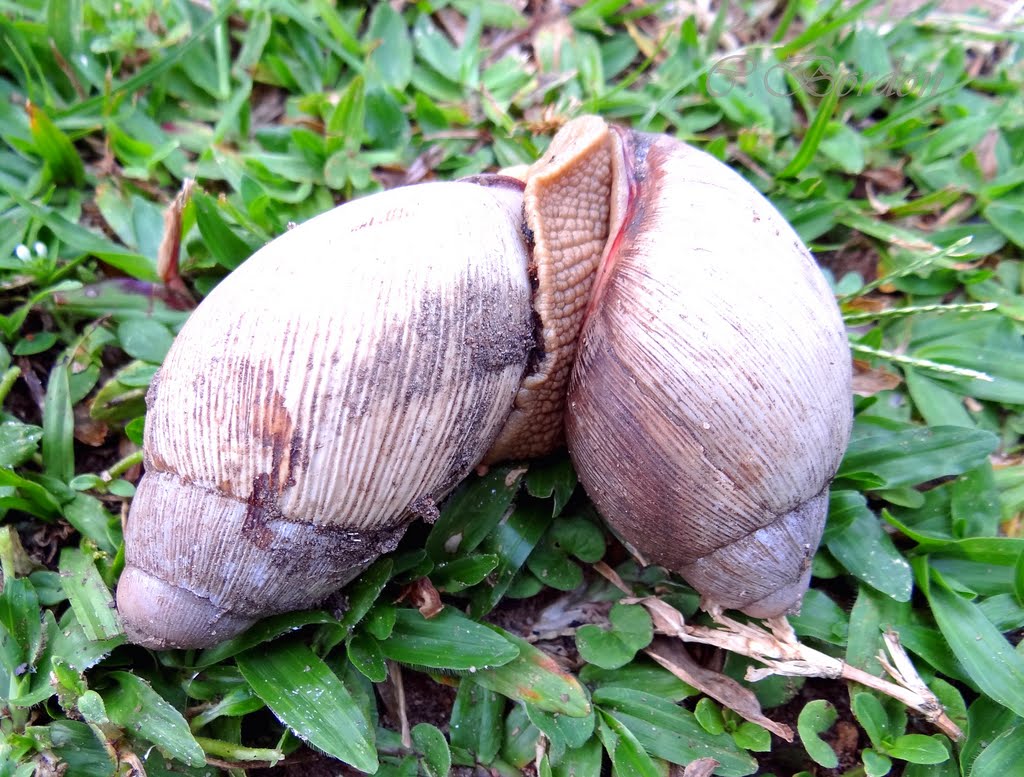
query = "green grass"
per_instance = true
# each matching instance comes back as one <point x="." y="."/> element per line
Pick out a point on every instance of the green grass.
<point x="281" y="108"/>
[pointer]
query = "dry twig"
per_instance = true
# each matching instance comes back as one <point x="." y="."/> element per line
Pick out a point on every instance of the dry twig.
<point x="782" y="653"/>
<point x="395" y="676"/>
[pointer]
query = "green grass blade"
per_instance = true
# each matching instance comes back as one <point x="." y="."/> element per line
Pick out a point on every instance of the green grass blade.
<point x="858" y="317"/>
<point x="865" y="549"/>
<point x="627" y="754"/>
<point x="264" y="631"/>
<point x="943" y="368"/>
<point x="78" y="238"/>
<point x="55" y="148"/>
<point x="815" y="133"/>
<point x="310" y="699"/>
<point x="534" y="677"/>
<point x="917" y="455"/>
<point x="89" y="596"/>
<point x="472" y="512"/>
<point x="432" y="745"/>
<point x="58" y="426"/>
<point x="987" y="657"/>
<point x="824" y="25"/>
<point x="916" y="107"/>
<point x="449" y="640"/>
<point x="668" y="731"/>
<point x="136" y="707"/>
<point x="476" y="720"/>
<point x="150" y="74"/>
<point x="1003" y="756"/>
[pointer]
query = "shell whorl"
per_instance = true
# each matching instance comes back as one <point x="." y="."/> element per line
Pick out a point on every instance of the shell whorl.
<point x="213" y="570"/>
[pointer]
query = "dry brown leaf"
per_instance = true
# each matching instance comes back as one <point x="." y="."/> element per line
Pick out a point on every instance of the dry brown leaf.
<point x="424" y="597"/>
<point x="423" y="165"/>
<point x="868" y="380"/>
<point x="268" y="104"/>
<point x="32" y="382"/>
<point x="612" y="577"/>
<point x="856" y="255"/>
<point x="867" y="304"/>
<point x="21" y="562"/>
<point x="847" y="741"/>
<point x="648" y="47"/>
<point x="1014" y="526"/>
<point x="702" y="767"/>
<point x="454" y="24"/>
<point x="567" y="613"/>
<point x="985" y="154"/>
<point x="953" y="213"/>
<point x="782" y="653"/>
<point x="88" y="430"/>
<point x="49" y="765"/>
<point x="775" y="644"/>
<point x="16" y="282"/>
<point x="877" y="205"/>
<point x="888" y="179"/>
<point x="126" y="448"/>
<point x="514" y="475"/>
<point x="1001" y="460"/>
<point x="674" y="657"/>
<point x="397" y="707"/>
<point x="549" y="39"/>
<point x="170" y="244"/>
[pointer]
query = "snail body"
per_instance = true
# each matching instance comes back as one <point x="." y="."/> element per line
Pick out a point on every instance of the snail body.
<point x="352" y="372"/>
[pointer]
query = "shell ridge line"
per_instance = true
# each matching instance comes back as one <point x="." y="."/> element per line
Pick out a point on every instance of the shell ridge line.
<point x="222" y="611"/>
<point x="802" y="378"/>
<point x="462" y="376"/>
<point x="776" y="517"/>
<point x="417" y="414"/>
<point x="648" y="393"/>
<point x="233" y="372"/>
<point x="706" y="501"/>
<point x="367" y="474"/>
<point x="342" y="467"/>
<point x="307" y="500"/>
<point x="408" y="414"/>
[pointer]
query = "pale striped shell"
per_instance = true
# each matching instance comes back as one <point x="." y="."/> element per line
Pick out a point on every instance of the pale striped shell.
<point x="345" y="378"/>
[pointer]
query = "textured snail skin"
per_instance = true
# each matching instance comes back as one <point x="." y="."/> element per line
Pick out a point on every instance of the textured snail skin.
<point x="567" y="206"/>
<point x="709" y="405"/>
<point x="340" y="382"/>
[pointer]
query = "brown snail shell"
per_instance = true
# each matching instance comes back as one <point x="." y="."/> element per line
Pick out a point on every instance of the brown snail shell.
<point x="710" y="404"/>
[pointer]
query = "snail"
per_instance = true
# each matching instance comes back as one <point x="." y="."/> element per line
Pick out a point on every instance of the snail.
<point x="710" y="403"/>
<point x="630" y="297"/>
